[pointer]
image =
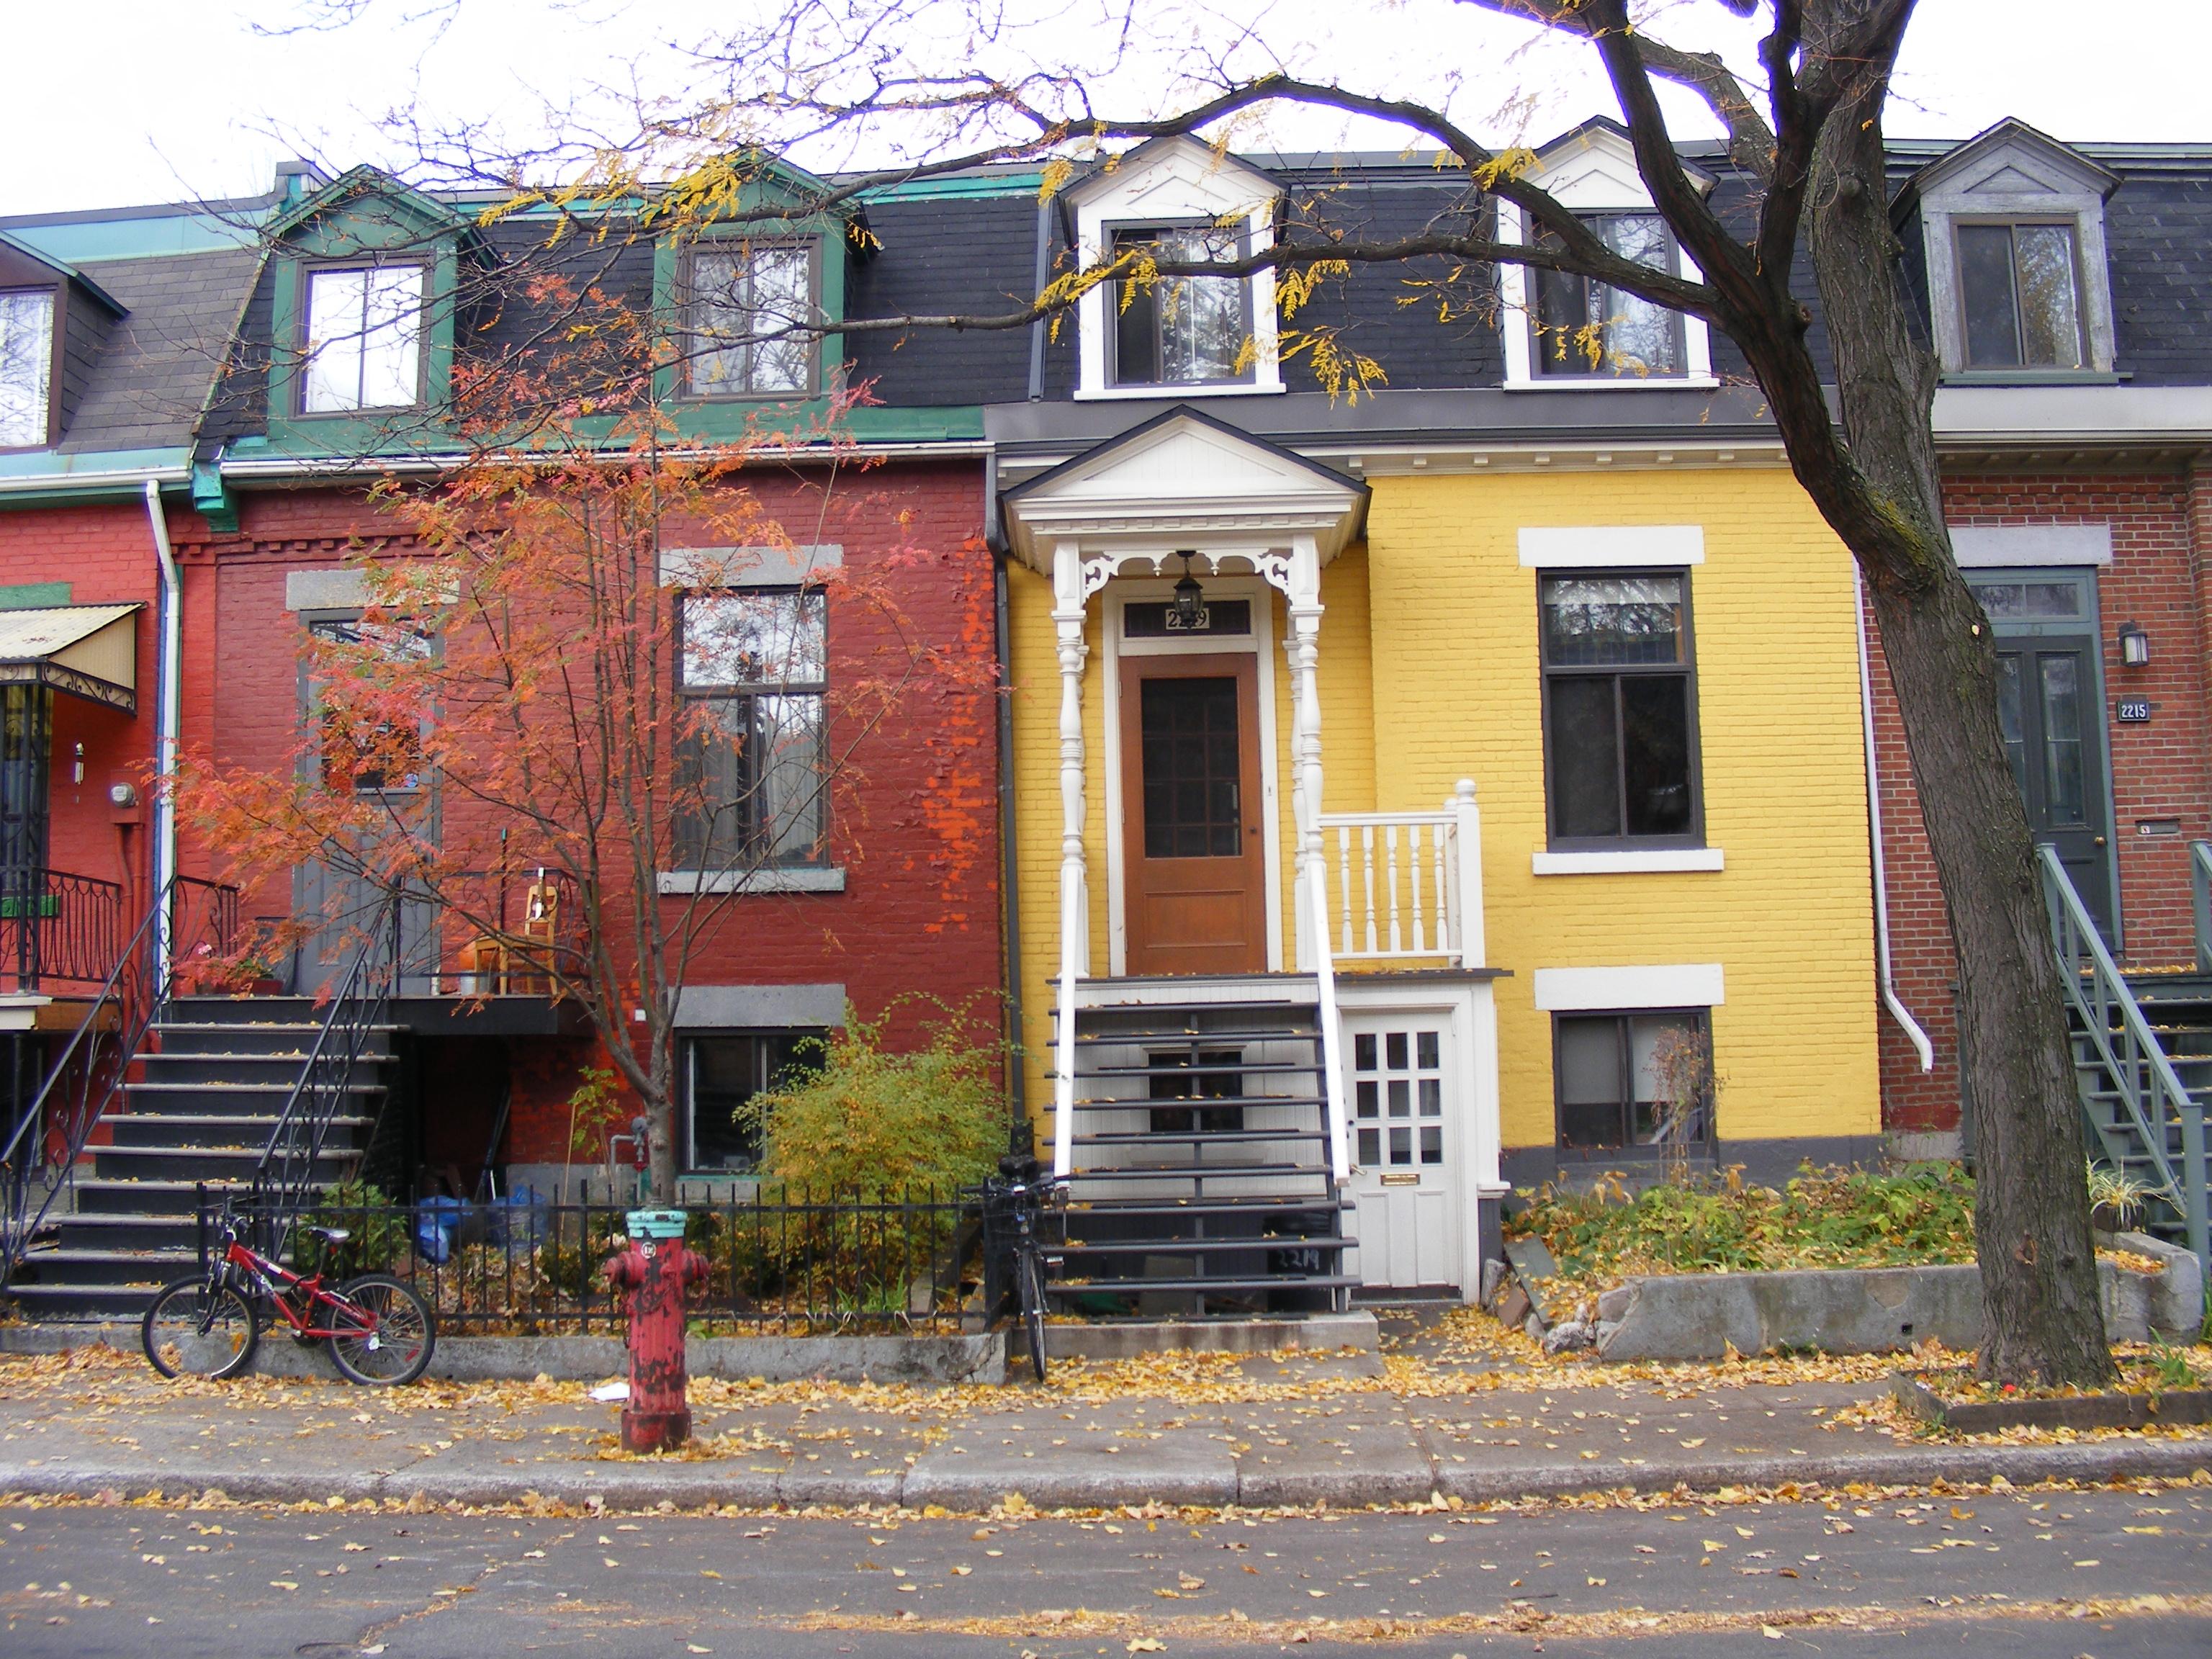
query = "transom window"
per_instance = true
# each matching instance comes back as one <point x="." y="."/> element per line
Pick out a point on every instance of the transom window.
<point x="1585" y="327"/>
<point x="1398" y="1097"/>
<point x="1179" y="331"/>
<point x="751" y="317"/>
<point x="1628" y="1080"/>
<point x="364" y="339"/>
<point x="753" y="676"/>
<point x="1620" y="726"/>
<point x="26" y="358"/>
<point x="2018" y="290"/>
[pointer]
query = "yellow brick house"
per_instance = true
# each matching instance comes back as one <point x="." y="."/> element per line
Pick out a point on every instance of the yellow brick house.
<point x="1458" y="787"/>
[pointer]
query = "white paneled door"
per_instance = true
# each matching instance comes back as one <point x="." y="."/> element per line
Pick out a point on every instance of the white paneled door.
<point x="1403" y="1165"/>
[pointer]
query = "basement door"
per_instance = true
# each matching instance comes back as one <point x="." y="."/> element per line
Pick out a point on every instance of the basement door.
<point x="1403" y="1168"/>
<point x="1193" y="858"/>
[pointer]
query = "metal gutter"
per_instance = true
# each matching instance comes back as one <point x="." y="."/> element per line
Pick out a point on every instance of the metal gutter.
<point x="168" y="668"/>
<point x="344" y="466"/>
<point x="124" y="478"/>
<point x="1890" y="999"/>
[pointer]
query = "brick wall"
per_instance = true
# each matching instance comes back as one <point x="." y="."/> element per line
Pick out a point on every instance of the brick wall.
<point x="914" y="826"/>
<point x="2161" y="769"/>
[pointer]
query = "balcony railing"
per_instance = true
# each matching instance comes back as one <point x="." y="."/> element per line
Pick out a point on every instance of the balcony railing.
<point x="1406" y="886"/>
<point x="58" y="931"/>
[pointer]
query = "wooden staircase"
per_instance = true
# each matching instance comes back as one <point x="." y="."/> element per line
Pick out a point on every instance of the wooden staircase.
<point x="204" y="1096"/>
<point x="1201" y="1182"/>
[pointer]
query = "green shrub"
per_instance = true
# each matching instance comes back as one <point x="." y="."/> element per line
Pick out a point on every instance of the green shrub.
<point x="376" y="1233"/>
<point x="871" y="1120"/>
<point x="1818" y="1218"/>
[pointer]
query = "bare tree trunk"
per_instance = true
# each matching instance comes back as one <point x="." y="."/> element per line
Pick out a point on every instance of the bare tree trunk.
<point x="2041" y="1314"/>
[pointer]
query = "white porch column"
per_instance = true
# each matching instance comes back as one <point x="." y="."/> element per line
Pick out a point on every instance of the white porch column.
<point x="1074" y="889"/>
<point x="1466" y="823"/>
<point x="1302" y="651"/>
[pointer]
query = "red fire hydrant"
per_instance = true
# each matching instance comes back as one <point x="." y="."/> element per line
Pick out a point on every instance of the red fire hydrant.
<point x="656" y="1270"/>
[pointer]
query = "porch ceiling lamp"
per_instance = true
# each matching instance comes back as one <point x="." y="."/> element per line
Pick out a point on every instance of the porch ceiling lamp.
<point x="2135" y="645"/>
<point x="1189" y="597"/>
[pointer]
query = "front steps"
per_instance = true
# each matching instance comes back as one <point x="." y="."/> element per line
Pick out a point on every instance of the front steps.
<point x="202" y="1101"/>
<point x="1201" y="1181"/>
<point x="2177" y="1004"/>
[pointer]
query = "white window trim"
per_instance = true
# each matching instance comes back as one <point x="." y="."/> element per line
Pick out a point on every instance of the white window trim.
<point x="1521" y="373"/>
<point x="1605" y="547"/>
<point x="770" y="880"/>
<point x="2067" y="190"/>
<point x="1603" y="990"/>
<point x="1183" y="180"/>
<point x="1647" y="861"/>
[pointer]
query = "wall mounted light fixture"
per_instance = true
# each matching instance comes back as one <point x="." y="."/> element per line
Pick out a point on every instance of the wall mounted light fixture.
<point x="2135" y="645"/>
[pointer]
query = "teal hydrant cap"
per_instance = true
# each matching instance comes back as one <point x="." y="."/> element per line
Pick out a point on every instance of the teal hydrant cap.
<point x="656" y="1223"/>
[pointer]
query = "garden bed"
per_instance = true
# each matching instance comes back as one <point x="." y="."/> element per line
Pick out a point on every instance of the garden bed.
<point x="2154" y="1389"/>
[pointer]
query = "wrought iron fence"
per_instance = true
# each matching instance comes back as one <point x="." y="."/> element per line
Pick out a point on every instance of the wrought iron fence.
<point x="58" y="929"/>
<point x="790" y="1262"/>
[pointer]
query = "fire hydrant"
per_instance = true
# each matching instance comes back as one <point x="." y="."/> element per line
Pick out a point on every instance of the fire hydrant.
<point x="656" y="1270"/>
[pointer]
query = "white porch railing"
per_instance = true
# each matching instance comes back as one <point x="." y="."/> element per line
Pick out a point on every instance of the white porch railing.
<point x="1406" y="886"/>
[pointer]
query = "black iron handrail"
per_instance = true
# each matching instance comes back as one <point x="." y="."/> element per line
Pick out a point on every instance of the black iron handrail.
<point x="284" y="1180"/>
<point x="58" y="928"/>
<point x="39" y="1163"/>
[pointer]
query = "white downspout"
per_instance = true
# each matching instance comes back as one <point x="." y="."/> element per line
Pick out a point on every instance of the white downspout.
<point x="1889" y="998"/>
<point x="167" y="674"/>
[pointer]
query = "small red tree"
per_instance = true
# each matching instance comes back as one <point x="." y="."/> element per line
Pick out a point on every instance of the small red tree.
<point x="551" y="693"/>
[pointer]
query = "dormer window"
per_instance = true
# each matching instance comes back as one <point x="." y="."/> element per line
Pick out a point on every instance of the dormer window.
<point x="1583" y="327"/>
<point x="1177" y="202"/>
<point x="2018" y="297"/>
<point x="364" y="339"/>
<point x="26" y="358"/>
<point x="750" y="322"/>
<point x="2012" y="238"/>
<point x="1568" y="332"/>
<point x="1182" y="330"/>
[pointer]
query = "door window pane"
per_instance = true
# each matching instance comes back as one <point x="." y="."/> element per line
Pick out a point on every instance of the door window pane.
<point x="1399" y="1078"/>
<point x="2059" y="677"/>
<point x="27" y="356"/>
<point x="1192" y="770"/>
<point x="2010" y="719"/>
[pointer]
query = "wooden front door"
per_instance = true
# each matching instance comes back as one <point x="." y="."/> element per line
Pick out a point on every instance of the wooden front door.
<point x="1194" y="857"/>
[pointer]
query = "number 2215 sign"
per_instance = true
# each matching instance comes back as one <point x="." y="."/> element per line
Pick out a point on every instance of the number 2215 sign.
<point x="2133" y="710"/>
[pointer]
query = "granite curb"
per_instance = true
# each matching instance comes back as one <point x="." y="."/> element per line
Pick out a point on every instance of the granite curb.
<point x="698" y="1485"/>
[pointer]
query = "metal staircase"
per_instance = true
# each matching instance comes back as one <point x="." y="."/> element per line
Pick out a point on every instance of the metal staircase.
<point x="1201" y="1179"/>
<point x="2142" y="1057"/>
<point x="208" y="1095"/>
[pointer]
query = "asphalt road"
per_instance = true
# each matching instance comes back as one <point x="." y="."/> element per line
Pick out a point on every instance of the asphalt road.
<point x="1996" y="1574"/>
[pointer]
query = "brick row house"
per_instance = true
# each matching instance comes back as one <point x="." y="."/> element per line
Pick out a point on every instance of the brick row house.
<point x="1394" y="798"/>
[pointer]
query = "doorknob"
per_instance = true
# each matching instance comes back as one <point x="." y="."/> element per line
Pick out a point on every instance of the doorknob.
<point x="2100" y="840"/>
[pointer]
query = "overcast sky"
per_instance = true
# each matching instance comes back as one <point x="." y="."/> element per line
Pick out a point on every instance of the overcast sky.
<point x="149" y="100"/>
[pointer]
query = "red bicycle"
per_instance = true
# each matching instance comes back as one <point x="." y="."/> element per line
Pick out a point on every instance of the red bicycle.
<point x="378" y="1331"/>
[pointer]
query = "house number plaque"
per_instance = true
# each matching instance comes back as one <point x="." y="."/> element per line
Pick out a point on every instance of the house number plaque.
<point x="2134" y="711"/>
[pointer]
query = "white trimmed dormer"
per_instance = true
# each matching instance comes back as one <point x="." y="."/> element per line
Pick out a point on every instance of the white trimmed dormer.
<point x="2011" y="223"/>
<point x="1183" y="337"/>
<point x="1547" y="318"/>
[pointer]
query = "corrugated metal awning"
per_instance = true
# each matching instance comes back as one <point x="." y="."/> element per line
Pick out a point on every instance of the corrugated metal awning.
<point x="89" y="651"/>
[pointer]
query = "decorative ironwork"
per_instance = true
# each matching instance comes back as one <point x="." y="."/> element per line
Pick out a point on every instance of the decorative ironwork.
<point x="58" y="929"/>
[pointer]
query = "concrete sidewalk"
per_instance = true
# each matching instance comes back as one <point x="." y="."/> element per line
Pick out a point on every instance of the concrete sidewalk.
<point x="1255" y="1432"/>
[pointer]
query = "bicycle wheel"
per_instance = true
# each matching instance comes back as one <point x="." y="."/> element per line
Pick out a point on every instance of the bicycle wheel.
<point x="187" y="1333"/>
<point x="1028" y="1283"/>
<point x="386" y="1334"/>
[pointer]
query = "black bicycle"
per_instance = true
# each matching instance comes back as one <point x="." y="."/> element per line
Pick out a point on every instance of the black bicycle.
<point x="1016" y="1201"/>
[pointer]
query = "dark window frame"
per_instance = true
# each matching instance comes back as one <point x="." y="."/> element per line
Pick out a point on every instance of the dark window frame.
<point x="689" y="296"/>
<point x="2085" y="347"/>
<point x="765" y="1079"/>
<point x="1113" y="232"/>
<point x="1571" y="363"/>
<point x="302" y="335"/>
<point x="1695" y="837"/>
<point x="693" y="860"/>
<point x="1629" y="1148"/>
<point x="56" y="332"/>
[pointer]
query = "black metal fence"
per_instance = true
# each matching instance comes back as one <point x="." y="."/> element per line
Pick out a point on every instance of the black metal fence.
<point x="792" y="1263"/>
<point x="58" y="928"/>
